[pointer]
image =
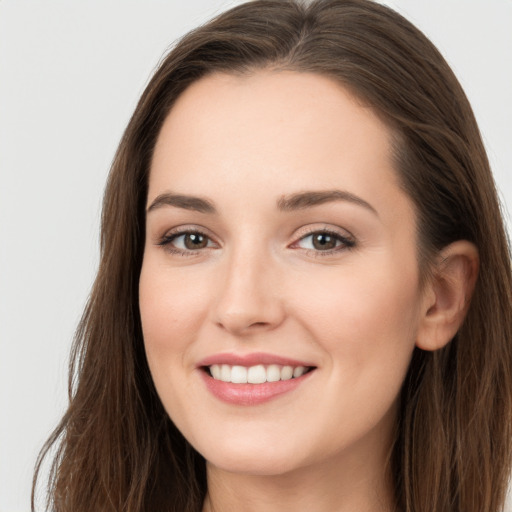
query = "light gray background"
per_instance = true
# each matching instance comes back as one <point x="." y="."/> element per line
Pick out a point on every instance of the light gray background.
<point x="70" y="76"/>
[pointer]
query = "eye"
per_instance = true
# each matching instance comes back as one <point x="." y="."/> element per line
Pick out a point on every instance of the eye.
<point x="324" y="241"/>
<point x="185" y="242"/>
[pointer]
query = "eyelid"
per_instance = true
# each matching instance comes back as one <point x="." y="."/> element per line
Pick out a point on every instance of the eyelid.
<point x="187" y="228"/>
<point x="165" y="241"/>
<point x="348" y="241"/>
<point x="324" y="228"/>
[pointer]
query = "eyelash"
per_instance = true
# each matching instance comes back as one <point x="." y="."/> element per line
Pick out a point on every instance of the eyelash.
<point x="167" y="240"/>
<point x="346" y="243"/>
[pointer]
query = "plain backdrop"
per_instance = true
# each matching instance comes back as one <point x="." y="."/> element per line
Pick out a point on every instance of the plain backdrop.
<point x="70" y="76"/>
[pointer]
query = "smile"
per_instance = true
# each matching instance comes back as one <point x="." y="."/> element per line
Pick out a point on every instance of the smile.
<point x="252" y="379"/>
<point x="258" y="374"/>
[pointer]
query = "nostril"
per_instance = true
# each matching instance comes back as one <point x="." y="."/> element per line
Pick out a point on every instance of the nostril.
<point x="259" y="324"/>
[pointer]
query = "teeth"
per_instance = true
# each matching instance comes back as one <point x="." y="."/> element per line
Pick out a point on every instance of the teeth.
<point x="286" y="373"/>
<point x="216" y="371"/>
<point x="273" y="373"/>
<point x="297" y="372"/>
<point x="255" y="374"/>
<point x="239" y="374"/>
<point x="225" y="373"/>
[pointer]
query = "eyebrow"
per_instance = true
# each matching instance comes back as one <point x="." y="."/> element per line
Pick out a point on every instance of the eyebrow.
<point x="292" y="202"/>
<point x="303" y="200"/>
<point x="197" y="204"/>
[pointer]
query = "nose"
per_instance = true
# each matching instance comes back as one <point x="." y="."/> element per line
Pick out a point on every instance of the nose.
<point x="250" y="297"/>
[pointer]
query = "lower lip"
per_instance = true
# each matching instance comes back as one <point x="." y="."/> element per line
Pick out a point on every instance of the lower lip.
<point x="251" y="394"/>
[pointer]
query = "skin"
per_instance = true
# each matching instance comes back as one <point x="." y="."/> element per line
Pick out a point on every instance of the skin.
<point x="260" y="285"/>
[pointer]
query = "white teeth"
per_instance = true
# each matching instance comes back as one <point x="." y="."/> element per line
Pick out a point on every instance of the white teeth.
<point x="225" y="373"/>
<point x="297" y="372"/>
<point x="216" y="371"/>
<point x="286" y="372"/>
<point x="255" y="374"/>
<point x="273" y="373"/>
<point x="239" y="375"/>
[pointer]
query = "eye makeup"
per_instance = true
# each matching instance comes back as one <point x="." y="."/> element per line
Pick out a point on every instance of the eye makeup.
<point x="318" y="242"/>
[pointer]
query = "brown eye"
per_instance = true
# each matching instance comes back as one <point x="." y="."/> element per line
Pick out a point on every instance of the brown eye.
<point x="323" y="241"/>
<point x="186" y="242"/>
<point x="195" y="241"/>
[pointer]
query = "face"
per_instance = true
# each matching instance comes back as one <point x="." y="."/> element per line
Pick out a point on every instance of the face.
<point x="279" y="291"/>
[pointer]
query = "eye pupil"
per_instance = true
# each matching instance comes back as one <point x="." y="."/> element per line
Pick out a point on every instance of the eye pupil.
<point x="323" y="241"/>
<point x="195" y="241"/>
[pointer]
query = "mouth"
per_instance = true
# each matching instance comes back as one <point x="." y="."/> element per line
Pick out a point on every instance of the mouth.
<point x="252" y="379"/>
<point x="257" y="374"/>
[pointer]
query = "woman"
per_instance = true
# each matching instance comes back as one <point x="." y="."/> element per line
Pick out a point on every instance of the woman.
<point x="304" y="292"/>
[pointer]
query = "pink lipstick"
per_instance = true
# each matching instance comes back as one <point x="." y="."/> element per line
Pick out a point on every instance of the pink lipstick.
<point x="251" y="379"/>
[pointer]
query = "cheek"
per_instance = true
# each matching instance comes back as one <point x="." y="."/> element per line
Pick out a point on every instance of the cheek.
<point x="364" y="316"/>
<point x="365" y="324"/>
<point x="171" y="308"/>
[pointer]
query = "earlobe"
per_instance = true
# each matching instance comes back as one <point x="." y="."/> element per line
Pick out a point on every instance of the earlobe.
<point x="448" y="295"/>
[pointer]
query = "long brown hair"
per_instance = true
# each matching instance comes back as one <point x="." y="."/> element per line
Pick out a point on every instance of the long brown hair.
<point x="117" y="450"/>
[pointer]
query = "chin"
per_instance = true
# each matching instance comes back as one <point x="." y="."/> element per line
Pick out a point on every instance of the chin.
<point x="262" y="465"/>
<point x="247" y="457"/>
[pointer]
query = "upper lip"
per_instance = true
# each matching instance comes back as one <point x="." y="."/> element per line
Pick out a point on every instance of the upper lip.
<point x="252" y="359"/>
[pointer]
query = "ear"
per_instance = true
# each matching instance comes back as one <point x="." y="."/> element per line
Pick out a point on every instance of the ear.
<point x="447" y="295"/>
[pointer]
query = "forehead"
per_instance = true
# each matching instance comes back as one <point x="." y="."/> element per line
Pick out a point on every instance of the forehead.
<point x="245" y="143"/>
<point x="249" y="140"/>
<point x="271" y="122"/>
